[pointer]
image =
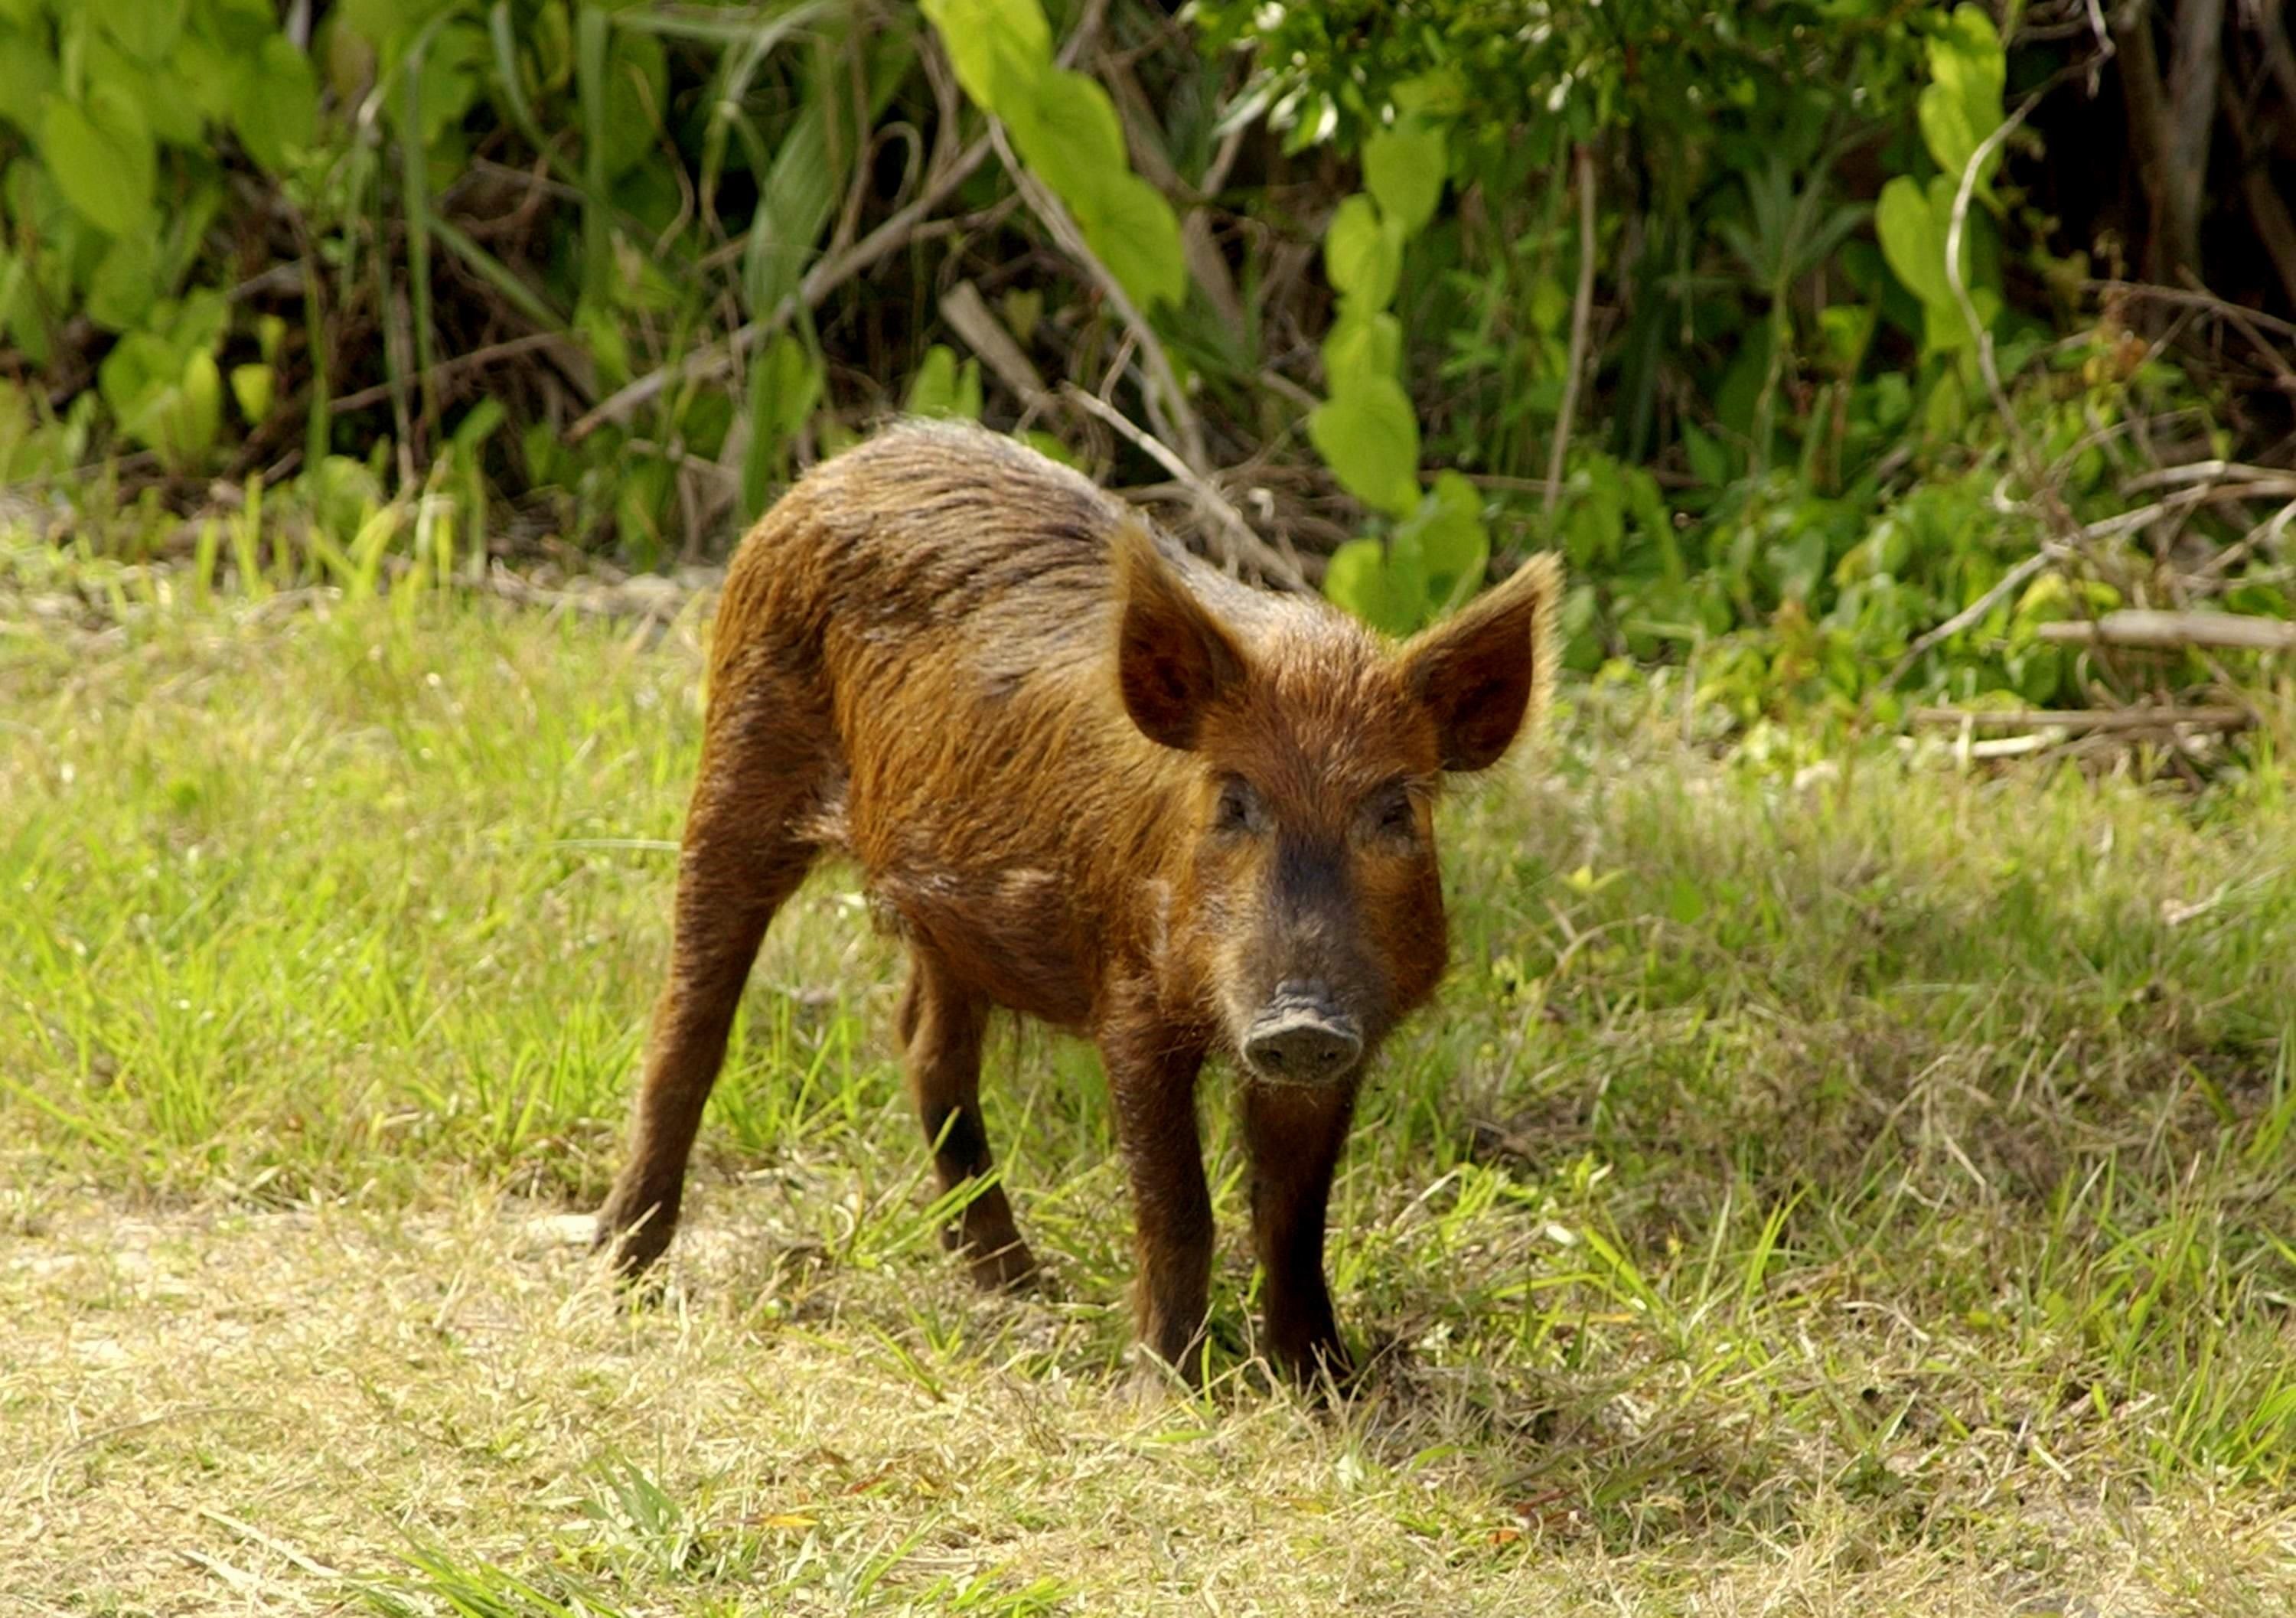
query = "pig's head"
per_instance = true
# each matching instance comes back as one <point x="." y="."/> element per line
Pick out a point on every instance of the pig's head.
<point x="1309" y="908"/>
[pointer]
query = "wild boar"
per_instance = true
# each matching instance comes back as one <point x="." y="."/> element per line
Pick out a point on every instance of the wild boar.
<point x="1101" y="783"/>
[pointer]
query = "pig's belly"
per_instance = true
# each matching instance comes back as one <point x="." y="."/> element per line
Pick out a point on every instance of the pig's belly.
<point x="1009" y="935"/>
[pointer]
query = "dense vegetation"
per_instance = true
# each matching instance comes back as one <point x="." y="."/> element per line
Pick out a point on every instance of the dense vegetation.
<point x="388" y="283"/>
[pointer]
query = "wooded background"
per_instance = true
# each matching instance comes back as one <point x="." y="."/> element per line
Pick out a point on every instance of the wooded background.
<point x="1842" y="345"/>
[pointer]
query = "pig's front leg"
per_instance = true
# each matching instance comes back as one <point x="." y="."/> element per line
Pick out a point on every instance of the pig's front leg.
<point x="1152" y="1090"/>
<point x="1294" y="1134"/>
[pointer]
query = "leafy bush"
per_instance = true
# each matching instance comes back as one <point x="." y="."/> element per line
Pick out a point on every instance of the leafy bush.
<point x="608" y="272"/>
<point x="1801" y="470"/>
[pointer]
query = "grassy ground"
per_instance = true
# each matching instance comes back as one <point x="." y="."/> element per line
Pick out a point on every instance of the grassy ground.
<point x="1876" y="1197"/>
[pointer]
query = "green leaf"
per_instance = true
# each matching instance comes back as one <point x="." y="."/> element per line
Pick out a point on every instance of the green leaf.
<point x="1439" y="94"/>
<point x="1403" y="168"/>
<point x="999" y="48"/>
<point x="121" y="291"/>
<point x="480" y="422"/>
<point x="283" y="114"/>
<point x="251" y="390"/>
<point x="164" y="398"/>
<point x="1848" y="330"/>
<point x="26" y="73"/>
<point x="1131" y="227"/>
<point x="1912" y="224"/>
<point x="199" y="321"/>
<point x="101" y="160"/>
<point x="1454" y="547"/>
<point x="454" y="66"/>
<point x="1071" y="136"/>
<point x="1363" y="252"/>
<point x="166" y="114"/>
<point x="1357" y="577"/>
<point x="1910" y="240"/>
<point x="217" y="83"/>
<point x="790" y="217"/>
<point x="942" y="386"/>
<point x="1370" y="439"/>
<point x="1962" y="104"/>
<point x="145" y="29"/>
<point x="637" y="96"/>
<point x="1360" y="347"/>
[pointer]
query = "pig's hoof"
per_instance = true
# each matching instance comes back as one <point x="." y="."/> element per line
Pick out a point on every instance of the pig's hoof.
<point x="1320" y="1369"/>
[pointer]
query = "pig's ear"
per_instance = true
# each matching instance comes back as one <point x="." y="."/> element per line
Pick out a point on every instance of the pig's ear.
<point x="1173" y="659"/>
<point x="1485" y="670"/>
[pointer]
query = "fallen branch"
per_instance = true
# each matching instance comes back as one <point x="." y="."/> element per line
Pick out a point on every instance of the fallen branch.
<point x="476" y="359"/>
<point x="2089" y="721"/>
<point x="2176" y="631"/>
<point x="1242" y="545"/>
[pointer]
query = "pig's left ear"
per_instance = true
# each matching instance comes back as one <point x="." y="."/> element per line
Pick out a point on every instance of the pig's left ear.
<point x="1488" y="667"/>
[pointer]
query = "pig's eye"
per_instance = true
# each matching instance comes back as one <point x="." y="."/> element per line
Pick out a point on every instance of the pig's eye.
<point x="1238" y="809"/>
<point x="1391" y="815"/>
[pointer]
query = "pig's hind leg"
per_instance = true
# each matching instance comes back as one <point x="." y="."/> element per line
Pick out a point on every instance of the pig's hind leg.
<point x="748" y="843"/>
<point x="941" y="1025"/>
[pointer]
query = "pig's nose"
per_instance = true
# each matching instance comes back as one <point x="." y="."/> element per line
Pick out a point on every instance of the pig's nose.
<point x="1299" y="1041"/>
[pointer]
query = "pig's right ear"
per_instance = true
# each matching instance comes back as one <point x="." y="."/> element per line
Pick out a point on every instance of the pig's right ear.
<point x="1173" y="659"/>
<point x="1487" y="670"/>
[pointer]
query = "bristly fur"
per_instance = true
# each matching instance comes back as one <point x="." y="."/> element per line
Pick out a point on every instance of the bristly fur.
<point x="1094" y="780"/>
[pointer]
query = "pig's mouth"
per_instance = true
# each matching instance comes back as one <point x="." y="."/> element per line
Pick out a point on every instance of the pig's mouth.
<point x="1301" y="1036"/>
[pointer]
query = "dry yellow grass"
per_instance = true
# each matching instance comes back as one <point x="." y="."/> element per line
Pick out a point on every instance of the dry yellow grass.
<point x="205" y="1410"/>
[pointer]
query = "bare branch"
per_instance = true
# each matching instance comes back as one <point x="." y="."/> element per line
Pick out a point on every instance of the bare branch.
<point x="2212" y="718"/>
<point x="1169" y="410"/>
<point x="968" y="315"/>
<point x="2177" y="631"/>
<point x="719" y="358"/>
<point x="1242" y="545"/>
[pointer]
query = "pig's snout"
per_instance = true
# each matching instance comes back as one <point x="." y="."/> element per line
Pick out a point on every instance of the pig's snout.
<point x="1302" y="1037"/>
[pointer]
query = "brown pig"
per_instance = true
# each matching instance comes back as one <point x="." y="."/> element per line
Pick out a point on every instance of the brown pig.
<point x="1098" y="783"/>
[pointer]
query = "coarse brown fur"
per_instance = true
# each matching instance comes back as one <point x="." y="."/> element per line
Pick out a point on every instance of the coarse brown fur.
<point x="1098" y="783"/>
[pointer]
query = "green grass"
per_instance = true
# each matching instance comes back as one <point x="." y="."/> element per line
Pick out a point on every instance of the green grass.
<point x="1878" y="1195"/>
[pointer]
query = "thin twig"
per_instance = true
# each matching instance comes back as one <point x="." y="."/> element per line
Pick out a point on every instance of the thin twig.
<point x="1970" y="614"/>
<point x="1582" y="311"/>
<point x="1169" y="410"/>
<point x="476" y="359"/>
<point x="2271" y="478"/>
<point x="2208" y="301"/>
<point x="2240" y="321"/>
<point x="2266" y="532"/>
<point x="1956" y="229"/>
<point x="1243" y="544"/>
<point x="718" y="358"/>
